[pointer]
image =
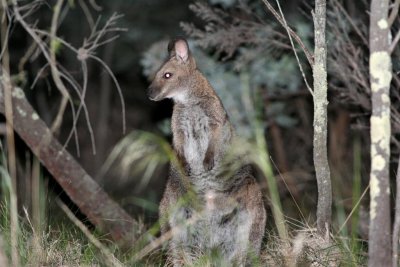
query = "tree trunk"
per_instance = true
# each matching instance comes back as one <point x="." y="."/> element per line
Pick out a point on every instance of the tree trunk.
<point x="380" y="68"/>
<point x="396" y="224"/>
<point x="100" y="209"/>
<point x="322" y="171"/>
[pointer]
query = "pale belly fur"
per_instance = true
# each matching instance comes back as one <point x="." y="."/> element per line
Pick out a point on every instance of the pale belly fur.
<point x="195" y="127"/>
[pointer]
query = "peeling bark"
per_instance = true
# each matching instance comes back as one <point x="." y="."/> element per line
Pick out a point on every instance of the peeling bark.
<point x="380" y="68"/>
<point x="100" y="209"/>
<point x="322" y="171"/>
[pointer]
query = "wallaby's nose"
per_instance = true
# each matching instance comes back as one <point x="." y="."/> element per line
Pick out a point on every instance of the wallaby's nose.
<point x="151" y="93"/>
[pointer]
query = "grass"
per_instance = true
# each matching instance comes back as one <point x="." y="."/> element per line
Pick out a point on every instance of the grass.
<point x="57" y="238"/>
<point x="62" y="243"/>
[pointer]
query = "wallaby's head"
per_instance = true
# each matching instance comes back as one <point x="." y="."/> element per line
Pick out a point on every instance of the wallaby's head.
<point x="173" y="78"/>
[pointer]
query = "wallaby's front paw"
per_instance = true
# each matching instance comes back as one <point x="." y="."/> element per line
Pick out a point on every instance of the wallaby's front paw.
<point x="208" y="161"/>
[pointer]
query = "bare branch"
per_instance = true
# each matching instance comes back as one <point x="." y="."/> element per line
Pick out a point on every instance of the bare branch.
<point x="95" y="40"/>
<point x="51" y="61"/>
<point x="294" y="49"/>
<point x="107" y="68"/>
<point x="28" y="54"/>
<point x="394" y="13"/>
<point x="95" y="5"/>
<point x="100" y="209"/>
<point x="282" y="21"/>
<point x="54" y="70"/>
<point x="88" y="15"/>
<point x="84" y="54"/>
<point x="351" y="21"/>
<point x="393" y="45"/>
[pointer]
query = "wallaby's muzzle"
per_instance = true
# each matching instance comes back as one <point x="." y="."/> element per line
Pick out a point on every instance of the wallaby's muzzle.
<point x="153" y="93"/>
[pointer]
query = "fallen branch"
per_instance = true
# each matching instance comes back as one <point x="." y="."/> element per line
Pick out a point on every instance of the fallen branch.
<point x="91" y="199"/>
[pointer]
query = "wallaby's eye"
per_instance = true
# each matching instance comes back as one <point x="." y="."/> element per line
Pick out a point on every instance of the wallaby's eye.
<point x="167" y="75"/>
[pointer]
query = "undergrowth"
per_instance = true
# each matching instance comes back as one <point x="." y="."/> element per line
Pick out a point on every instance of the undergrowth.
<point x="59" y="242"/>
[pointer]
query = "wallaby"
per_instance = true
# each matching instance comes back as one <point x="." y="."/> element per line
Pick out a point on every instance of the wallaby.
<point x="206" y="213"/>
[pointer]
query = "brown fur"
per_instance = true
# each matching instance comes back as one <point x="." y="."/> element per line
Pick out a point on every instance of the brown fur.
<point x="226" y="214"/>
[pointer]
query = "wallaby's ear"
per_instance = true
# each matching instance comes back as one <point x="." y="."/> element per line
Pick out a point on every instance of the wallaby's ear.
<point x="179" y="48"/>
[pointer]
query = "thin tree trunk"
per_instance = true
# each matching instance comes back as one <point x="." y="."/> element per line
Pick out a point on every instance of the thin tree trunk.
<point x="380" y="68"/>
<point x="322" y="171"/>
<point x="100" y="209"/>
<point x="396" y="225"/>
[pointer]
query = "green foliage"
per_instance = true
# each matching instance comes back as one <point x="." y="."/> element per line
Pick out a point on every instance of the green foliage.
<point x="55" y="46"/>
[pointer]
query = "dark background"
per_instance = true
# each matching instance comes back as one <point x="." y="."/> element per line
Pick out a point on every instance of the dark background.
<point x="283" y="93"/>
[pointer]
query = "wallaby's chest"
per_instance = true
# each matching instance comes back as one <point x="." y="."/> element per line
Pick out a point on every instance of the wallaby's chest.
<point x="193" y="133"/>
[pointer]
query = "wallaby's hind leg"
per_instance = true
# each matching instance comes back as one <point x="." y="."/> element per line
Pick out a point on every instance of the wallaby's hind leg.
<point x="259" y="218"/>
<point x="171" y="217"/>
<point x="251" y="197"/>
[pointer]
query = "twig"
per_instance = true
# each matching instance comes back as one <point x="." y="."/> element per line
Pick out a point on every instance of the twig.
<point x="99" y="208"/>
<point x="394" y="13"/>
<point x="104" y="102"/>
<point x="166" y="236"/>
<point x="41" y="45"/>
<point x="294" y="49"/>
<point x="83" y="53"/>
<point x="282" y="21"/>
<point x="82" y="106"/>
<point x="54" y="70"/>
<point x="95" y="5"/>
<point x="8" y="107"/>
<point x="351" y="21"/>
<point x="153" y="245"/>
<point x="353" y="210"/>
<point x="29" y="52"/>
<point x="86" y="51"/>
<point x="35" y="229"/>
<point x="288" y="189"/>
<point x="6" y="25"/>
<point x="121" y="96"/>
<point x="394" y="42"/>
<point x="88" y="16"/>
